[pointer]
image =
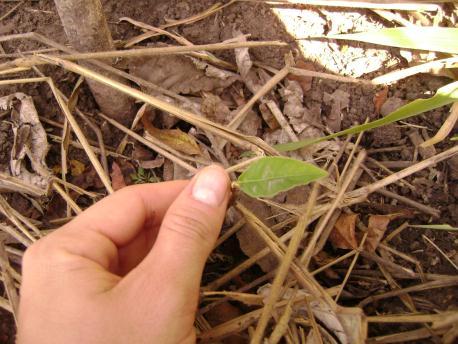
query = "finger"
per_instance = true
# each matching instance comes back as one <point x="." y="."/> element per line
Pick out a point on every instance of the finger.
<point x="121" y="216"/>
<point x="186" y="237"/>
<point x="101" y="232"/>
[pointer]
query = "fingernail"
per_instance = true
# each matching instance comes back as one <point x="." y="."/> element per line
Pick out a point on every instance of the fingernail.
<point x="211" y="186"/>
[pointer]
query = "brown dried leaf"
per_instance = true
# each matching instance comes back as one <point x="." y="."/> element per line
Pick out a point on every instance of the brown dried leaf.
<point x="304" y="81"/>
<point x="380" y="99"/>
<point x="377" y="227"/>
<point x="343" y="234"/>
<point x="117" y="178"/>
<point x="174" y="138"/>
<point x="215" y="109"/>
<point x="181" y="74"/>
<point x="150" y="164"/>
<point x="268" y="117"/>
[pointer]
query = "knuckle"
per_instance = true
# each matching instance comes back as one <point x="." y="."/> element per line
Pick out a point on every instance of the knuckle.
<point x="191" y="223"/>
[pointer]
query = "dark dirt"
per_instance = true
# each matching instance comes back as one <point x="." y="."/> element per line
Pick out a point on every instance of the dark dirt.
<point x="437" y="187"/>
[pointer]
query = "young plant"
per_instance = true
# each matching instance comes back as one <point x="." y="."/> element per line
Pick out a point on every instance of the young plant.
<point x="269" y="176"/>
<point x="144" y="177"/>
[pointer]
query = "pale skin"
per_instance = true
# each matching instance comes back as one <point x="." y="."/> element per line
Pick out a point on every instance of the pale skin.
<point x="128" y="269"/>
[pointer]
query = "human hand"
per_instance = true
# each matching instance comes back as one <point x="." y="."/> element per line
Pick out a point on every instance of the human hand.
<point x="128" y="269"/>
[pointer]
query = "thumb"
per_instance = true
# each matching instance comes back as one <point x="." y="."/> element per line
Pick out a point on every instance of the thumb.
<point x="188" y="234"/>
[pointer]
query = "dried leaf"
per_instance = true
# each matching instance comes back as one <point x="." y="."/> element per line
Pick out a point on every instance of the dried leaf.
<point x="377" y="227"/>
<point x="343" y="234"/>
<point x="175" y="138"/>
<point x="181" y="74"/>
<point x="338" y="101"/>
<point x="250" y="241"/>
<point x="346" y="324"/>
<point x="304" y="81"/>
<point x="380" y="99"/>
<point x="29" y="141"/>
<point x="300" y="117"/>
<point x="77" y="167"/>
<point x="151" y="164"/>
<point x="242" y="56"/>
<point x="215" y="109"/>
<point x="117" y="178"/>
<point x="268" y="117"/>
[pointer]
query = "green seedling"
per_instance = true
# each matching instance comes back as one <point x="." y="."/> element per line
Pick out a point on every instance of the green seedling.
<point x="144" y="176"/>
<point x="269" y="176"/>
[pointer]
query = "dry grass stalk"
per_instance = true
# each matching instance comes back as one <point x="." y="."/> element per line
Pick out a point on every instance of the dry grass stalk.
<point x="422" y="68"/>
<point x="447" y="258"/>
<point x="280" y="117"/>
<point x="229" y="232"/>
<point x="81" y="137"/>
<point x="402" y="337"/>
<point x="9" y="183"/>
<point x="97" y="150"/>
<point x="366" y="190"/>
<point x="446" y="128"/>
<point x="350" y="269"/>
<point x="278" y="248"/>
<point x="247" y="299"/>
<point x="8" y="282"/>
<point x="282" y="326"/>
<point x="204" y="55"/>
<point x="449" y="281"/>
<point x="70" y="202"/>
<point x="11" y="215"/>
<point x="24" y="240"/>
<point x="157" y="51"/>
<point x="152" y="143"/>
<point x="76" y="128"/>
<point x="311" y="247"/>
<point x="328" y="76"/>
<point x="240" y="116"/>
<point x="391" y="5"/>
<point x="284" y="268"/>
<point x="251" y="143"/>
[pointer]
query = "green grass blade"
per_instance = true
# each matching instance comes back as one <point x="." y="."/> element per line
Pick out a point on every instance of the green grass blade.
<point x="444" y="96"/>
<point x="269" y="176"/>
<point x="430" y="38"/>
<point x="443" y="227"/>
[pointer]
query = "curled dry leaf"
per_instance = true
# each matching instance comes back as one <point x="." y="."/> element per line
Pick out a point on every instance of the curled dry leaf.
<point x="380" y="99"/>
<point x="117" y="178"/>
<point x="181" y="74"/>
<point x="343" y="234"/>
<point x="377" y="227"/>
<point x="151" y="164"/>
<point x="174" y="138"/>
<point x="29" y="141"/>
<point x="338" y="101"/>
<point x="242" y="56"/>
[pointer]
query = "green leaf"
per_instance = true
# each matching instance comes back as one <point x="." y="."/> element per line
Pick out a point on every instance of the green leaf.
<point x="444" y="96"/>
<point x="443" y="227"/>
<point x="430" y="38"/>
<point x="269" y="176"/>
<point x="454" y="138"/>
